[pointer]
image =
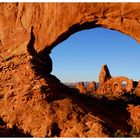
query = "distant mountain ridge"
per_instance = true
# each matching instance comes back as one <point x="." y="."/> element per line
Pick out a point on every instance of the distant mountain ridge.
<point x="74" y="83"/>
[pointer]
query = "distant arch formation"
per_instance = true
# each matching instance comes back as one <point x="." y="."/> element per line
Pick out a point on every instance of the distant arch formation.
<point x="118" y="80"/>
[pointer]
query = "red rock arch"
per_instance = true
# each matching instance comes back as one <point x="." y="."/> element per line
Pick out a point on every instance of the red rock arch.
<point x="22" y="97"/>
<point x="118" y="80"/>
<point x="54" y="22"/>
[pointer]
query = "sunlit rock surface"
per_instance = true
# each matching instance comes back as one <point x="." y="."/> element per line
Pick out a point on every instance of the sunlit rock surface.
<point x="104" y="75"/>
<point x="91" y="87"/>
<point x="115" y="86"/>
<point x="54" y="22"/>
<point x="81" y="87"/>
<point x="37" y="103"/>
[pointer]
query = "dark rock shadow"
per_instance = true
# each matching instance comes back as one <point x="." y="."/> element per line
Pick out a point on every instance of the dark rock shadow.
<point x="11" y="132"/>
<point x="113" y="113"/>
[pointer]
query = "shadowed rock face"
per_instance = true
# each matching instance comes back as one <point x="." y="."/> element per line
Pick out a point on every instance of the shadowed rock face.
<point x="137" y="89"/>
<point x="35" y="101"/>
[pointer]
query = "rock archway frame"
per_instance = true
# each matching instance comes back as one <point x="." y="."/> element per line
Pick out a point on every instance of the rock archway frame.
<point x="28" y="100"/>
<point x="114" y="16"/>
<point x="54" y="22"/>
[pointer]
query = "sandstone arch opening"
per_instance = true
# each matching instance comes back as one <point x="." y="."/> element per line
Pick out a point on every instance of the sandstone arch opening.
<point x="81" y="56"/>
<point x="124" y="83"/>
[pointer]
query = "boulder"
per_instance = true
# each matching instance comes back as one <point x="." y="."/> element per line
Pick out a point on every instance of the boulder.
<point x="91" y="87"/>
<point x="81" y="87"/>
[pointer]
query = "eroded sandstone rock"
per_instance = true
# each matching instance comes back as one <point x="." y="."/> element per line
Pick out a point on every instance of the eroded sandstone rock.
<point x="54" y="22"/>
<point x="81" y="87"/>
<point x="91" y="87"/>
<point x="134" y="116"/>
<point x="115" y="85"/>
<point x="137" y="89"/>
<point x="36" y="102"/>
<point x="104" y="75"/>
<point x="44" y="61"/>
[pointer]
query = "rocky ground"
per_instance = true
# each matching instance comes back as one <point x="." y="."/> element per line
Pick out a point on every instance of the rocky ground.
<point x="34" y="104"/>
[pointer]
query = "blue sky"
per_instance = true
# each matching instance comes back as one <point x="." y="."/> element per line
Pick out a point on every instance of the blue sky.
<point x="80" y="57"/>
